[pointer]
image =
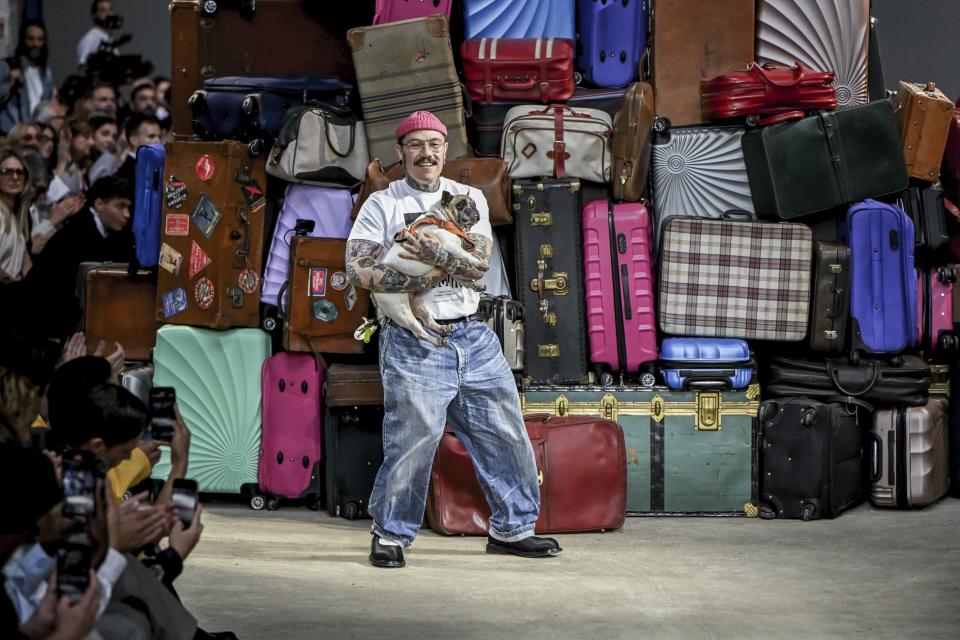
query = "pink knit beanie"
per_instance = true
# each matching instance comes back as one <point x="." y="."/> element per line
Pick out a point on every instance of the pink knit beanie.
<point x="420" y="120"/>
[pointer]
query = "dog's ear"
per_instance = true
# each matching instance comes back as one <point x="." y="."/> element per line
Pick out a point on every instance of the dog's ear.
<point x="446" y="198"/>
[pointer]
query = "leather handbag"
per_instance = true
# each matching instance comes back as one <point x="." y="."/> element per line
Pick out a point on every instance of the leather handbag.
<point x="320" y="145"/>
<point x="777" y="92"/>
<point x="489" y="175"/>
<point x="557" y="141"/>
<point x="518" y="69"/>
<point x="581" y="467"/>
<point x="872" y="380"/>
<point x="631" y="142"/>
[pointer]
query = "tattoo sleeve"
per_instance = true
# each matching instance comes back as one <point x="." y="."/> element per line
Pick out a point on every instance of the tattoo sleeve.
<point x="464" y="271"/>
<point x="366" y="272"/>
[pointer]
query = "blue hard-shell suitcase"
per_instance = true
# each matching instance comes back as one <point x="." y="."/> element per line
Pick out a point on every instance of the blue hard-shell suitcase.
<point x="706" y="363"/>
<point x="613" y="35"/>
<point x="883" y="284"/>
<point x="148" y="203"/>
<point x="519" y="19"/>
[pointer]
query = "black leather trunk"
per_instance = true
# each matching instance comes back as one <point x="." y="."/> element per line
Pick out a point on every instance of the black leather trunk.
<point x="550" y="279"/>
<point x="830" y="308"/>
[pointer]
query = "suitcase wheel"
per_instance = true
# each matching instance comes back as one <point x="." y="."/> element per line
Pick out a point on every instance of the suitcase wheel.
<point x="648" y="380"/>
<point x="946" y="274"/>
<point x="269" y="323"/>
<point x="767" y="512"/>
<point x="250" y="106"/>
<point x="313" y="503"/>
<point x="255" y="146"/>
<point x="948" y="342"/>
<point x="351" y="511"/>
<point x="661" y="124"/>
<point x="273" y="504"/>
<point x="606" y="379"/>
<point x="809" y="417"/>
<point x="198" y="102"/>
<point x="257" y="502"/>
<point x="808" y="512"/>
<point x="209" y="7"/>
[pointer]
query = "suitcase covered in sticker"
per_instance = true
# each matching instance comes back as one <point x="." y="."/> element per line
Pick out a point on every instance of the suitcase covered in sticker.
<point x="211" y="251"/>
<point x="619" y="283"/>
<point x="217" y="378"/>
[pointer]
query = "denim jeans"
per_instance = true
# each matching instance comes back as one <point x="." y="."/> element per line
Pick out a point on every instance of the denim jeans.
<point x="468" y="383"/>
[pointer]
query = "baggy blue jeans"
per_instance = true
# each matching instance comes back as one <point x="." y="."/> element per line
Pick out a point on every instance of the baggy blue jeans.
<point x="468" y="383"/>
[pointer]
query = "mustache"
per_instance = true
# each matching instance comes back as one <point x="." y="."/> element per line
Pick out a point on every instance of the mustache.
<point x="426" y="160"/>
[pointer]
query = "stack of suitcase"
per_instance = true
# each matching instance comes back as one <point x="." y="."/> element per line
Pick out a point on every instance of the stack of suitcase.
<point x="666" y="259"/>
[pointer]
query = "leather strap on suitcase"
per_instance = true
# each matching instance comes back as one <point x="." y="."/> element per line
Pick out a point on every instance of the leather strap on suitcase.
<point x="351" y="385"/>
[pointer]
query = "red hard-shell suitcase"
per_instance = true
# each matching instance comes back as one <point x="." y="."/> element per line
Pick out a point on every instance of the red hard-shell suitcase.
<point x="292" y="436"/>
<point x="619" y="282"/>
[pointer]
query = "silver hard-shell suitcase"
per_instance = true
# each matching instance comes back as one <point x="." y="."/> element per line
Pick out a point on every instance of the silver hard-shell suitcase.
<point x="138" y="380"/>
<point x="505" y="317"/>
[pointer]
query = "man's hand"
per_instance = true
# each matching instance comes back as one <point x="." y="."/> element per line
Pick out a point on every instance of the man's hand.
<point x="464" y="266"/>
<point x="131" y="526"/>
<point x="75" y="621"/>
<point x="183" y="540"/>
<point x="65" y="207"/>
<point x="180" y="445"/>
<point x="43" y="622"/>
<point x="76" y="347"/>
<point x="151" y="448"/>
<point x="15" y="76"/>
<point x="116" y="360"/>
<point x="364" y="270"/>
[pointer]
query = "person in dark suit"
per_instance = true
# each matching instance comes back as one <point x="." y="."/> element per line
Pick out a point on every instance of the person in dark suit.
<point x="138" y="129"/>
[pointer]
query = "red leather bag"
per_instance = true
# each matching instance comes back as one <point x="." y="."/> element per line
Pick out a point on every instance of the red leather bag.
<point x="518" y="69"/>
<point x="581" y="464"/>
<point x="778" y="92"/>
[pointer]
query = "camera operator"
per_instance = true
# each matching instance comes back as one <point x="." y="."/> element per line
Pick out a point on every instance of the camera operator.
<point x="104" y="22"/>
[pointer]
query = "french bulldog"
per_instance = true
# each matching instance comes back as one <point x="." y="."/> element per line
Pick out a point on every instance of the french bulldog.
<point x="448" y="221"/>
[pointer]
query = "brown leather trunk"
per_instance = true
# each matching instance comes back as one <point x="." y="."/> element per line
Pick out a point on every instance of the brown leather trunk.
<point x="215" y="238"/>
<point x="489" y="175"/>
<point x="352" y="385"/>
<point x="923" y="116"/>
<point x="694" y="40"/>
<point x="282" y="37"/>
<point x="631" y="142"/>
<point x="581" y="465"/>
<point x="324" y="309"/>
<point x="120" y="307"/>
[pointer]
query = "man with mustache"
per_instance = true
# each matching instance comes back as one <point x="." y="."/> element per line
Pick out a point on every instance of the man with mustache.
<point x="466" y="382"/>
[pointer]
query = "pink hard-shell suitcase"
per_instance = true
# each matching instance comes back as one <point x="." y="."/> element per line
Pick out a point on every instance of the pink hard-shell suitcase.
<point x="935" y="309"/>
<point x="292" y="435"/>
<point x="396" y="10"/>
<point x="619" y="282"/>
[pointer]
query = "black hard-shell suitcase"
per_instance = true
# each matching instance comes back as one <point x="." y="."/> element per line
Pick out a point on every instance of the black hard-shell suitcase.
<point x="550" y="279"/>
<point x="353" y="447"/>
<point x="931" y="233"/>
<point x="811" y="459"/>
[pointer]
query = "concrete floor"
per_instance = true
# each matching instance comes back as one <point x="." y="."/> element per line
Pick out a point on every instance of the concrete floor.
<point x="294" y="573"/>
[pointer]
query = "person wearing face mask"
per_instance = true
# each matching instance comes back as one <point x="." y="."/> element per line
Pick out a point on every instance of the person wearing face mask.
<point x="25" y="79"/>
<point x="466" y="382"/>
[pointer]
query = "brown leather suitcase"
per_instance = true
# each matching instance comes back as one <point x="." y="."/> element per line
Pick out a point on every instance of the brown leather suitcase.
<point x="581" y="465"/>
<point x="119" y="307"/>
<point x="923" y="116"/>
<point x="830" y="307"/>
<point x="211" y="250"/>
<point x="353" y="385"/>
<point x="489" y="175"/>
<point x="231" y="42"/>
<point x="694" y="40"/>
<point x="631" y="142"/>
<point x="324" y="309"/>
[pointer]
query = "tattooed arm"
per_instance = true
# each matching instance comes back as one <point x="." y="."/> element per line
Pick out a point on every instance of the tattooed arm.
<point x="364" y="270"/>
<point x="426" y="248"/>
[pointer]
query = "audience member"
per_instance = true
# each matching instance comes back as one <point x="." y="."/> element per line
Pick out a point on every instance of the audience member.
<point x="139" y="129"/>
<point x="19" y="405"/>
<point x="99" y="34"/>
<point x="52" y="113"/>
<point x="24" y="134"/>
<point x="14" y="216"/>
<point x="73" y="159"/>
<point x="25" y="79"/>
<point x="48" y="141"/>
<point x="106" y="159"/>
<point x="101" y="98"/>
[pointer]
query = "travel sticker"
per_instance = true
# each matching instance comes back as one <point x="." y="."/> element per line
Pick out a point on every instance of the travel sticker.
<point x="318" y="282"/>
<point x="248" y="281"/>
<point x="205" y="167"/>
<point x="350" y="298"/>
<point x="206" y="216"/>
<point x="325" y="310"/>
<point x="253" y="194"/>
<point x="204" y="292"/>
<point x="174" y="302"/>
<point x="198" y="258"/>
<point x="177" y="224"/>
<point x="170" y="258"/>
<point x="339" y="281"/>
<point x="176" y="193"/>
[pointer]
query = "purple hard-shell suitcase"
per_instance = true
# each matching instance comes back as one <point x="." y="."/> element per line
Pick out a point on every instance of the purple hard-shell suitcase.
<point x="706" y="363"/>
<point x="935" y="309"/>
<point x="397" y="10"/>
<point x="328" y="208"/>
<point x="613" y="35"/>
<point x="619" y="283"/>
<point x="883" y="284"/>
<point x="291" y="442"/>
<point x="519" y="19"/>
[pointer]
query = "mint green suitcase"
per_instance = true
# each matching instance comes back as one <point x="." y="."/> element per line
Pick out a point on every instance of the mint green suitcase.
<point x="217" y="378"/>
<point x="688" y="452"/>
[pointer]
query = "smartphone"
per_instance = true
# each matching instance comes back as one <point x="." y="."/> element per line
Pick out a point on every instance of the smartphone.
<point x="162" y="416"/>
<point x="73" y="567"/>
<point x="80" y="472"/>
<point x="185" y="500"/>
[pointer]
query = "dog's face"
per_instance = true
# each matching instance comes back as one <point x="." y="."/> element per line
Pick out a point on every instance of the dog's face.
<point x="460" y="210"/>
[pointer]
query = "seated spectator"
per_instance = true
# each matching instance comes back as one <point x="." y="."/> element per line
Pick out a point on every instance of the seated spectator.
<point x="48" y="142"/>
<point x="101" y="98"/>
<point x="46" y="217"/>
<point x="138" y="129"/>
<point x="73" y="159"/>
<point x="25" y="79"/>
<point x="105" y="156"/>
<point x="52" y="113"/>
<point x="24" y="134"/>
<point x="19" y="405"/>
<point x="163" y="101"/>
<point x="14" y="217"/>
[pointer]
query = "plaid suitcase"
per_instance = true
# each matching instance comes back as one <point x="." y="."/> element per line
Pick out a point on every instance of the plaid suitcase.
<point x="403" y="67"/>
<point x="720" y="278"/>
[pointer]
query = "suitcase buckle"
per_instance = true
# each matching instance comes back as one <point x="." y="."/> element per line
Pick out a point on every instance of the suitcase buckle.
<point x="708" y="411"/>
<point x="548" y="350"/>
<point x="236" y="297"/>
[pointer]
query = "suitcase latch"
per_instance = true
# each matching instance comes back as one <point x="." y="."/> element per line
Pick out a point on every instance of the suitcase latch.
<point x="541" y="219"/>
<point x="548" y="350"/>
<point x="708" y="411"/>
<point x="836" y="268"/>
<point x="608" y="407"/>
<point x="559" y="284"/>
<point x="540" y="477"/>
<point x="561" y="405"/>
<point x="829" y="335"/>
<point x="236" y="297"/>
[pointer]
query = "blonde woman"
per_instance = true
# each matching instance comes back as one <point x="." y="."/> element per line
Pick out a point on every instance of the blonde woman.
<point x="14" y="216"/>
<point x="19" y="405"/>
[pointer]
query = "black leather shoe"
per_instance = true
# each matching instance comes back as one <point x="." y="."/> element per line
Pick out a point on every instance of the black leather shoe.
<point x="532" y="547"/>
<point x="386" y="555"/>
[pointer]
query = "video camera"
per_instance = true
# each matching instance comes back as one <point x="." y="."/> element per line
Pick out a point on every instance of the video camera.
<point x="117" y="69"/>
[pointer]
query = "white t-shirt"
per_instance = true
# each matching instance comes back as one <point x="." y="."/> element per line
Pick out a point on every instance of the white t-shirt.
<point x="90" y="43"/>
<point x="384" y="214"/>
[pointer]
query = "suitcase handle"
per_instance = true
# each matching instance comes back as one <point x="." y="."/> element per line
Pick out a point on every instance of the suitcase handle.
<point x="832" y="372"/>
<point x="518" y="83"/>
<point x="763" y="70"/>
<point x="876" y="457"/>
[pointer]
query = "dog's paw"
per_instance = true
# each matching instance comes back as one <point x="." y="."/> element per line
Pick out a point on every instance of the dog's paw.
<point x="446" y="329"/>
<point x="440" y="342"/>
